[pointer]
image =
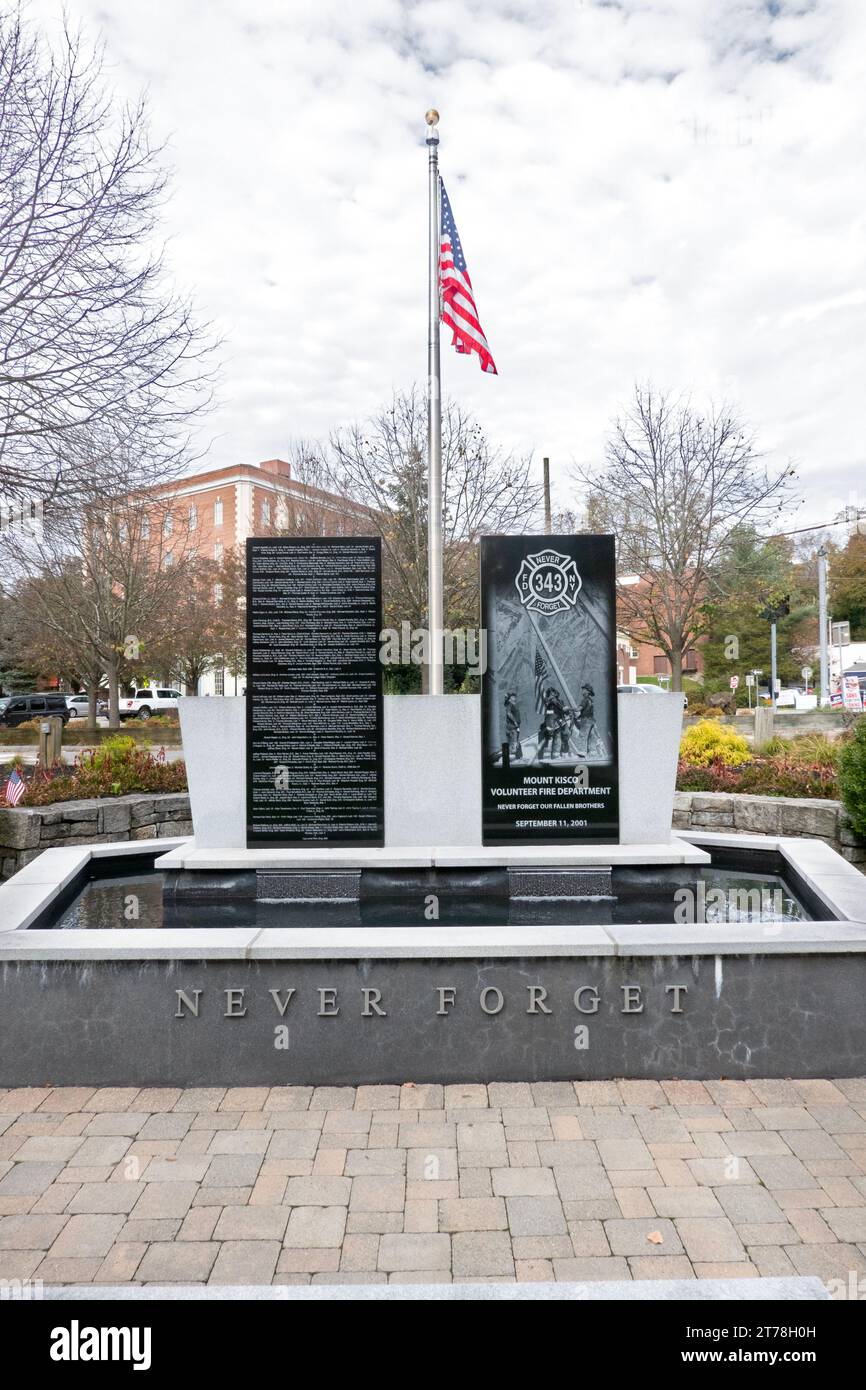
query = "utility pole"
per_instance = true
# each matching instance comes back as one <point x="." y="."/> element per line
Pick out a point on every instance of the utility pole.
<point x="822" y="625"/>
<point x="773" y="662"/>
<point x="548" y="521"/>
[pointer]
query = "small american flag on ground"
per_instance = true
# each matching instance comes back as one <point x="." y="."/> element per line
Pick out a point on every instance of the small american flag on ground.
<point x="14" y="789"/>
<point x="540" y="678"/>
<point x="458" y="302"/>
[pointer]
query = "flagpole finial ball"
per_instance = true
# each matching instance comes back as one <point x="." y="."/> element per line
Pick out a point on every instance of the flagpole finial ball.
<point x="432" y="117"/>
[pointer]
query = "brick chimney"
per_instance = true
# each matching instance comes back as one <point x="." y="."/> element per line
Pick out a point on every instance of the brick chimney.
<point x="279" y="466"/>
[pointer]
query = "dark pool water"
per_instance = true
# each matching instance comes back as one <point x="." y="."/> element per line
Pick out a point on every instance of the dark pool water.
<point x="712" y="895"/>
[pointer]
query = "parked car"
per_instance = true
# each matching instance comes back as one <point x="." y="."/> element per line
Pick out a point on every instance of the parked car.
<point x="149" y="701"/>
<point x="649" y="690"/>
<point x="17" y="709"/>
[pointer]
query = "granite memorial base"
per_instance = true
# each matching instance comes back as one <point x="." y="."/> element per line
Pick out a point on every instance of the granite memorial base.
<point x="330" y="1021"/>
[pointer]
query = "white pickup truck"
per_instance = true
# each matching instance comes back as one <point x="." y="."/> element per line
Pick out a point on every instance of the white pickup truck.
<point x="144" y="703"/>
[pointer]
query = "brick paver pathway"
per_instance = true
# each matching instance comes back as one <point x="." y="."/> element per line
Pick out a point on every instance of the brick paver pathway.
<point x="590" y="1180"/>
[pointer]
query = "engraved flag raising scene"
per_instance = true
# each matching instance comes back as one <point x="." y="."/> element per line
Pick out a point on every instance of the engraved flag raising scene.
<point x="432" y="731"/>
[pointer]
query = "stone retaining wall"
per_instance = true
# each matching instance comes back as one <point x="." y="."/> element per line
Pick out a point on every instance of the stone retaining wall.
<point x="26" y="831"/>
<point x="769" y="815"/>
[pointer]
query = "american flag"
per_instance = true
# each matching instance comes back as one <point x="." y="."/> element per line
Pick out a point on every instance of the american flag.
<point x="458" y="302"/>
<point x="14" y="789"/>
<point x="540" y="678"/>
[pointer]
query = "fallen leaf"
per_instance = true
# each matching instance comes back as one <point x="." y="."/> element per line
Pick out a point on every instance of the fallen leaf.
<point x="656" y="1238"/>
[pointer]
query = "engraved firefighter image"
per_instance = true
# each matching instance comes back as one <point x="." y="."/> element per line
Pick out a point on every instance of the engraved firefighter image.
<point x="512" y="725"/>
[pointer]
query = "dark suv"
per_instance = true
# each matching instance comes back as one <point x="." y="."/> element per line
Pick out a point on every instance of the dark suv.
<point x="17" y="709"/>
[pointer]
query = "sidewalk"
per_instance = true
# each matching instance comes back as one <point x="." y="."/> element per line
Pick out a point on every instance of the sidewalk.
<point x="554" y="1181"/>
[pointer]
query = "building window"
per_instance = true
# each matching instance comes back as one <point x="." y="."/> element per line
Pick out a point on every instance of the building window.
<point x="660" y="666"/>
<point x="122" y="531"/>
<point x="145" y="528"/>
<point x="219" y="682"/>
<point x="633" y="653"/>
<point x="168" y="525"/>
<point x="218" y="550"/>
<point x="266" y="513"/>
<point x="218" y="512"/>
<point x="217" y="594"/>
<point x="169" y="559"/>
<point x="690" y="661"/>
<point x="193" y="515"/>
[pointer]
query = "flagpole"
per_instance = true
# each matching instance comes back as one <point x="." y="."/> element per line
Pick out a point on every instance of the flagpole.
<point x="434" y="423"/>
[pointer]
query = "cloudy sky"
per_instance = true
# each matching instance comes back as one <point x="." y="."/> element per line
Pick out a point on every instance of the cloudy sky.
<point x="645" y="189"/>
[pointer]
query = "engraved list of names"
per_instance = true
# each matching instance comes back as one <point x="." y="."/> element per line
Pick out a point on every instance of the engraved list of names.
<point x="314" y="692"/>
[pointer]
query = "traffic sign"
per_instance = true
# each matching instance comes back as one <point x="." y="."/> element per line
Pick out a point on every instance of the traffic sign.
<point x="735" y="681"/>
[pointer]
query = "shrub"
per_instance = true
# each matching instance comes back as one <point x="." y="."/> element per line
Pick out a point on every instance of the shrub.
<point x="710" y="741"/>
<point x="774" y="776"/>
<point x="852" y="778"/>
<point x="120" y="766"/>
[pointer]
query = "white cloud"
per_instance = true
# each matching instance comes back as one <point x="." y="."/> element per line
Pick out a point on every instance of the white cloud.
<point x="665" y="189"/>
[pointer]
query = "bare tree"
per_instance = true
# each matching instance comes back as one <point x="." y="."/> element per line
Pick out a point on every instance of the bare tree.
<point x="90" y="334"/>
<point x="675" y="485"/>
<point x="381" y="465"/>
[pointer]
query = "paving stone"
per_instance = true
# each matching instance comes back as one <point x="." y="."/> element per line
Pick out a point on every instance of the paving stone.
<point x="673" y="1172"/>
<point x="160" y="1228"/>
<point x="549" y="1093"/>
<point x="684" y="1201"/>
<point x="318" y="1192"/>
<point x="588" y="1238"/>
<point x="656" y="1127"/>
<point x="535" y="1216"/>
<point x="563" y="1127"/>
<point x="291" y="1097"/>
<point x="421" y="1216"/>
<point x="377" y="1098"/>
<point x="770" y="1261"/>
<point x="463" y="1097"/>
<point x="29" y="1179"/>
<point x="85" y="1236"/>
<point x="109" y="1198"/>
<point x="64" y="1100"/>
<point x="847" y="1223"/>
<point x="222" y="1197"/>
<point x="268" y="1191"/>
<point x="776" y="1092"/>
<point x="19" y="1264"/>
<point x="241" y="1141"/>
<point x="112" y="1098"/>
<point x="312" y="1228"/>
<point x="597" y="1093"/>
<point x="325" y="1261"/>
<point x="185" y="1170"/>
<point x="30" y="1232"/>
<point x="479" y="1253"/>
<point x="430" y="1097"/>
<point x="534" y="1271"/>
<point x="116" y="1122"/>
<point x="245" y="1262"/>
<point x="757" y="1144"/>
<point x="245" y="1098"/>
<point x="718" y="1172"/>
<point x="578" y="1271"/>
<point x="631" y="1154"/>
<point x="67" y="1269"/>
<point x="820" y="1092"/>
<point x="473" y="1214"/>
<point x="641" y="1093"/>
<point x="252" y="1223"/>
<point x="630" y="1237"/>
<point x="360" y="1252"/>
<point x="838" y="1119"/>
<point x="710" y="1239"/>
<point x="168" y="1263"/>
<point x="415" y="1252"/>
<point x="47" y="1149"/>
<point x="836" y="1261"/>
<point x="394" y="1162"/>
<point x="542" y="1247"/>
<point x="722" y="1269"/>
<point x="786" y="1117"/>
<point x="754" y="1234"/>
<point x="199" y="1223"/>
<point x="813" y="1146"/>
<point x="748" y="1203"/>
<point x="293" y="1143"/>
<point x="475" y="1182"/>
<point x="570" y="1155"/>
<point x="661" y="1267"/>
<point x="731" y="1092"/>
<point x="523" y="1155"/>
<point x="374" y="1222"/>
<point x="201" y="1098"/>
<point x="377" y="1193"/>
<point x="230" y="1170"/>
<point x="121" y="1263"/>
<point x="632" y="1201"/>
<point x="782" y="1171"/>
<point x="510" y="1093"/>
<point x="524" y="1182"/>
<point x="583" y="1184"/>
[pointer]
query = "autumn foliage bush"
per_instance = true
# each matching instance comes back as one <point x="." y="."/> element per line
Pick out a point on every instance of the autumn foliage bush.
<point x="117" y="768"/>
